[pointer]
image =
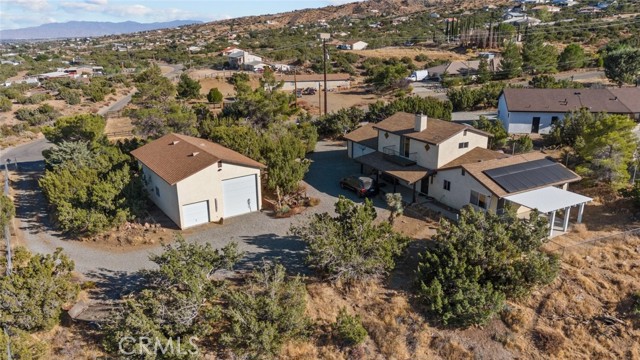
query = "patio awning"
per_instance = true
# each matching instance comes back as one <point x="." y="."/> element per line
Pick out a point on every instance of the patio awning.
<point x="548" y="199"/>
<point x="410" y="174"/>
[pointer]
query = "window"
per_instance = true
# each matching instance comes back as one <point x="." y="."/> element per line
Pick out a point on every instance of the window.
<point x="464" y="133"/>
<point x="157" y="192"/>
<point x="447" y="185"/>
<point x="406" y="143"/>
<point x="478" y="199"/>
<point x="463" y="172"/>
<point x="463" y="145"/>
<point x="554" y="120"/>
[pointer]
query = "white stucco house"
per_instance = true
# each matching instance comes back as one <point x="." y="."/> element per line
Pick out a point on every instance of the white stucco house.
<point x="237" y="59"/>
<point x="524" y="111"/>
<point x="194" y="181"/>
<point x="353" y="45"/>
<point x="451" y="165"/>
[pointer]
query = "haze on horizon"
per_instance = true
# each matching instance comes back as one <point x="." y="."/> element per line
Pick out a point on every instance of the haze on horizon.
<point x="15" y="14"/>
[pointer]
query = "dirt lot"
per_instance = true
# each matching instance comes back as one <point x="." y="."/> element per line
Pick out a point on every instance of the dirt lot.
<point x="410" y="52"/>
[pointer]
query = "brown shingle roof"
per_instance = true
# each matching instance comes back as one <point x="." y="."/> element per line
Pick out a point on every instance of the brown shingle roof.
<point x="175" y="157"/>
<point x="410" y="174"/>
<point x="565" y="100"/>
<point x="475" y="155"/>
<point x="477" y="169"/>
<point x="437" y="131"/>
<point x="314" y="77"/>
<point x="365" y="135"/>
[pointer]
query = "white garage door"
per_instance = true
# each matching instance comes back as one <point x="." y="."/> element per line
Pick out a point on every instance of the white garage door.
<point x="195" y="214"/>
<point x="359" y="150"/>
<point x="240" y="195"/>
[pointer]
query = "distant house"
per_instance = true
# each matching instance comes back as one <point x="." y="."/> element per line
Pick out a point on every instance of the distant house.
<point x="549" y="8"/>
<point x="462" y="68"/>
<point x="194" y="181"/>
<point x="229" y="50"/>
<point x="524" y="111"/>
<point x="238" y="58"/>
<point x="353" y="45"/>
<point x="257" y="66"/>
<point x="564" y="2"/>
<point x="334" y="81"/>
<point x="450" y="163"/>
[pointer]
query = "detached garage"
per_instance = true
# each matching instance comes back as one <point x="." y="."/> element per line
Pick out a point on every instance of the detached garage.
<point x="194" y="181"/>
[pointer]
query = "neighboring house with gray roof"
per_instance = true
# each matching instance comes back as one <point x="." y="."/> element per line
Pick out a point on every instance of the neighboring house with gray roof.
<point x="524" y="111"/>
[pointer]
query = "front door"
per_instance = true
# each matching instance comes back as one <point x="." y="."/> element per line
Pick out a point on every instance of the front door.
<point x="535" y="125"/>
<point x="424" y="185"/>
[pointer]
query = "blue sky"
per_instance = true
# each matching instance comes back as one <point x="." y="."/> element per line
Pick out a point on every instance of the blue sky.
<point x="24" y="13"/>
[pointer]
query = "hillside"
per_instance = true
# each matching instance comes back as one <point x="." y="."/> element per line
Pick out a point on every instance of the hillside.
<point x="74" y="29"/>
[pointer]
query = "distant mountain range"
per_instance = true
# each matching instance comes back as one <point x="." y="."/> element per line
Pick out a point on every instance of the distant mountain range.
<point x="74" y="29"/>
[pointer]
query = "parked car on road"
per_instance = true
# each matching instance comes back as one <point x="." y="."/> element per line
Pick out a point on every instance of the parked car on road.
<point x="309" y="91"/>
<point x="362" y="185"/>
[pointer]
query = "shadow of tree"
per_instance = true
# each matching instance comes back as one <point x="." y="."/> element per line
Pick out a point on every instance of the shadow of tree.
<point x="31" y="205"/>
<point x="112" y="285"/>
<point x="290" y="251"/>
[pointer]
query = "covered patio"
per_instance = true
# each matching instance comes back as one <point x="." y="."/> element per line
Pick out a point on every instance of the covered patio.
<point x="400" y="171"/>
<point x="549" y="200"/>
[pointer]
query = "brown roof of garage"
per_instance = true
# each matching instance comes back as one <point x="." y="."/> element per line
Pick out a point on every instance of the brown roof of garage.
<point x="366" y="135"/>
<point x="616" y="101"/>
<point x="437" y="130"/>
<point x="175" y="157"/>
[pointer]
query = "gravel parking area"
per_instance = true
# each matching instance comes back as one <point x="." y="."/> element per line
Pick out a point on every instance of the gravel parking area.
<point x="257" y="234"/>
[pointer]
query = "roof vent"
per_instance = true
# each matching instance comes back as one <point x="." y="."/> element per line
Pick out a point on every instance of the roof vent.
<point x="577" y="93"/>
<point x="175" y="142"/>
<point x="195" y="153"/>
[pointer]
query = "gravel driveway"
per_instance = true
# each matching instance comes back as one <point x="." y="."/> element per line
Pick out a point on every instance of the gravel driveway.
<point x="257" y="234"/>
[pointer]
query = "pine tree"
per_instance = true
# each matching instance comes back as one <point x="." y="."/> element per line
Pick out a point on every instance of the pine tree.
<point x="511" y="63"/>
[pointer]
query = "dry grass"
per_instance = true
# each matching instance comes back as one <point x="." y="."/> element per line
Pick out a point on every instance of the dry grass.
<point x="410" y="52"/>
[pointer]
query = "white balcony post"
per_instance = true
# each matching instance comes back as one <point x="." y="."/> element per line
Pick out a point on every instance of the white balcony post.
<point x="567" y="212"/>
<point x="552" y="220"/>
<point x="580" y="211"/>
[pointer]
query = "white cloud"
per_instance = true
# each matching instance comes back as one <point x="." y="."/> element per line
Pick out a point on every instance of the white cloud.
<point x="33" y="5"/>
<point x="97" y="2"/>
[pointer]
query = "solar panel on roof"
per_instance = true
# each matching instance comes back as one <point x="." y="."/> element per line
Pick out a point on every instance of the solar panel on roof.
<point x="529" y="175"/>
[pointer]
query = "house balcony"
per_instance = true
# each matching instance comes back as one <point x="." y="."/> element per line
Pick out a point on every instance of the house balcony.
<point x="402" y="159"/>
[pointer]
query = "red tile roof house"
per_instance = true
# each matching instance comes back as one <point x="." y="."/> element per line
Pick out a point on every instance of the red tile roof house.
<point x="450" y="163"/>
<point x="524" y="111"/>
<point x="194" y="181"/>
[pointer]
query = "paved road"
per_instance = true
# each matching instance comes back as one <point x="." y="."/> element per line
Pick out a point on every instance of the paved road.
<point x="257" y="234"/>
<point x="27" y="152"/>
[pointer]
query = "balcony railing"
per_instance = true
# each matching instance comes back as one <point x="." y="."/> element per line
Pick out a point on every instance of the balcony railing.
<point x="396" y="157"/>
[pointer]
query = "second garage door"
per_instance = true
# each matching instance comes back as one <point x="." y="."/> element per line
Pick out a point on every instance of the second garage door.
<point x="195" y="214"/>
<point x="240" y="195"/>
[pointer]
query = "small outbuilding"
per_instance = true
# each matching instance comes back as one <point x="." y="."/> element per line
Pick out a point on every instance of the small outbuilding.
<point x="195" y="181"/>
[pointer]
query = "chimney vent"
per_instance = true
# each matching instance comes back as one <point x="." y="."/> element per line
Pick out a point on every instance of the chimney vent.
<point x="174" y="142"/>
<point x="421" y="122"/>
<point x="194" y="153"/>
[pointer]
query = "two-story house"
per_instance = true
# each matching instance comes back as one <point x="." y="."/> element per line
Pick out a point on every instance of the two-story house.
<point x="450" y="163"/>
<point x="537" y="110"/>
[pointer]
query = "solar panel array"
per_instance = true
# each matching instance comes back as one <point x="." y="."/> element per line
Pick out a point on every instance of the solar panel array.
<point x="529" y="175"/>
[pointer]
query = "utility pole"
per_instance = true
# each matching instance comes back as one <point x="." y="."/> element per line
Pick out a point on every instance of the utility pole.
<point x="324" y="37"/>
<point x="295" y="85"/>
<point x="319" y="99"/>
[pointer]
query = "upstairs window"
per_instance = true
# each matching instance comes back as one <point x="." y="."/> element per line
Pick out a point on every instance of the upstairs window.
<point x="447" y="185"/>
<point x="463" y="145"/>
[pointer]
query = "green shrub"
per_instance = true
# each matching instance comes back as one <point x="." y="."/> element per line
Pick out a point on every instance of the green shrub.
<point x="265" y="313"/>
<point x="5" y="104"/>
<point x="238" y="78"/>
<point x="349" y="328"/>
<point x="635" y="303"/>
<point x="479" y="262"/>
<point x="421" y="57"/>
<point x="39" y="116"/>
<point x="351" y="246"/>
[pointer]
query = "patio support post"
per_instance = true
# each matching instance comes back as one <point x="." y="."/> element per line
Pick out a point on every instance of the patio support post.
<point x="580" y="210"/>
<point x="361" y="168"/>
<point x="414" y="193"/>
<point x="567" y="212"/>
<point x="552" y="220"/>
